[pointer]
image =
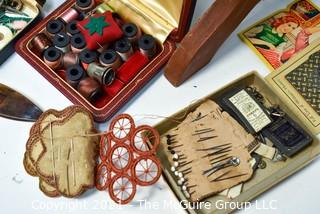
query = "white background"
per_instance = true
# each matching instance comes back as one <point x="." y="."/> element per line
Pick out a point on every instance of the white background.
<point x="19" y="192"/>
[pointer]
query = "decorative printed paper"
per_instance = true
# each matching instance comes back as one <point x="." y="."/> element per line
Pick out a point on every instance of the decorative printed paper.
<point x="279" y="37"/>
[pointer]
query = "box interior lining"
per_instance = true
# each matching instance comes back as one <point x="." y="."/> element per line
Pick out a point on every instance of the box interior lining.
<point x="263" y="178"/>
<point x="158" y="17"/>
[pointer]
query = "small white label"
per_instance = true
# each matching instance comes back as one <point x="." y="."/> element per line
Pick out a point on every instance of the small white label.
<point x="251" y="111"/>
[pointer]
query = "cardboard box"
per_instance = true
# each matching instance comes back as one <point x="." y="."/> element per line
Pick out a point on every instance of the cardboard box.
<point x="263" y="179"/>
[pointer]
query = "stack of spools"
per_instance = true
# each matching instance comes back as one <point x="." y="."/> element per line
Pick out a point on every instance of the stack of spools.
<point x="93" y="50"/>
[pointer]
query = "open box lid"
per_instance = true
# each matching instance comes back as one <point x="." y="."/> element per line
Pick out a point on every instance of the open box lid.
<point x="298" y="84"/>
<point x="204" y="39"/>
<point x="164" y="19"/>
<point x="187" y="10"/>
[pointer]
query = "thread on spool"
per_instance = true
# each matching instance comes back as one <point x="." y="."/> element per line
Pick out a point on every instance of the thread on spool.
<point x="148" y="46"/>
<point x="6" y="36"/>
<point x="85" y="5"/>
<point x="53" y="57"/>
<point x="132" y="32"/>
<point x="124" y="49"/>
<point x="132" y="67"/>
<point x="110" y="58"/>
<point x="90" y="89"/>
<point x="69" y="15"/>
<point x="70" y="59"/>
<point x="54" y="26"/>
<point x="104" y="75"/>
<point x="75" y="74"/>
<point x="40" y="43"/>
<point x="88" y="56"/>
<point x="78" y="43"/>
<point x="72" y="28"/>
<point x="62" y="42"/>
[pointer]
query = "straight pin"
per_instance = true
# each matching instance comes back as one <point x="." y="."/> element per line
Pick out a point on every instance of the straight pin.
<point x="221" y="151"/>
<point x="183" y="158"/>
<point x="198" y="118"/>
<point x="169" y="142"/>
<point x="174" y="147"/>
<point x="213" y="148"/>
<point x="185" y="164"/>
<point x="175" y="152"/>
<point x="187" y="188"/>
<point x="181" y="181"/>
<point x="206" y="138"/>
<point x="231" y="177"/>
<point x="221" y="175"/>
<point x="171" y="136"/>
<point x="203" y="131"/>
<point x="186" y="170"/>
<point x="177" y="157"/>
<point x="225" y="156"/>
<point x="233" y="161"/>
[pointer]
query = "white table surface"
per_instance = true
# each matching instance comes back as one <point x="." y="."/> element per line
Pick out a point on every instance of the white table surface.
<point x="19" y="192"/>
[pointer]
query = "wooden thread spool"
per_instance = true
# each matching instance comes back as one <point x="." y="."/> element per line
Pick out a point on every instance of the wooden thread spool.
<point x="124" y="49"/>
<point x="131" y="32"/>
<point x="62" y="42"/>
<point x="90" y="89"/>
<point x="75" y="74"/>
<point x="72" y="28"/>
<point x="78" y="43"/>
<point x="87" y="57"/>
<point x="54" y="26"/>
<point x="148" y="46"/>
<point x="53" y="58"/>
<point x="69" y="15"/>
<point x="40" y="43"/>
<point x="110" y="58"/>
<point x="70" y="59"/>
<point x="85" y="5"/>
